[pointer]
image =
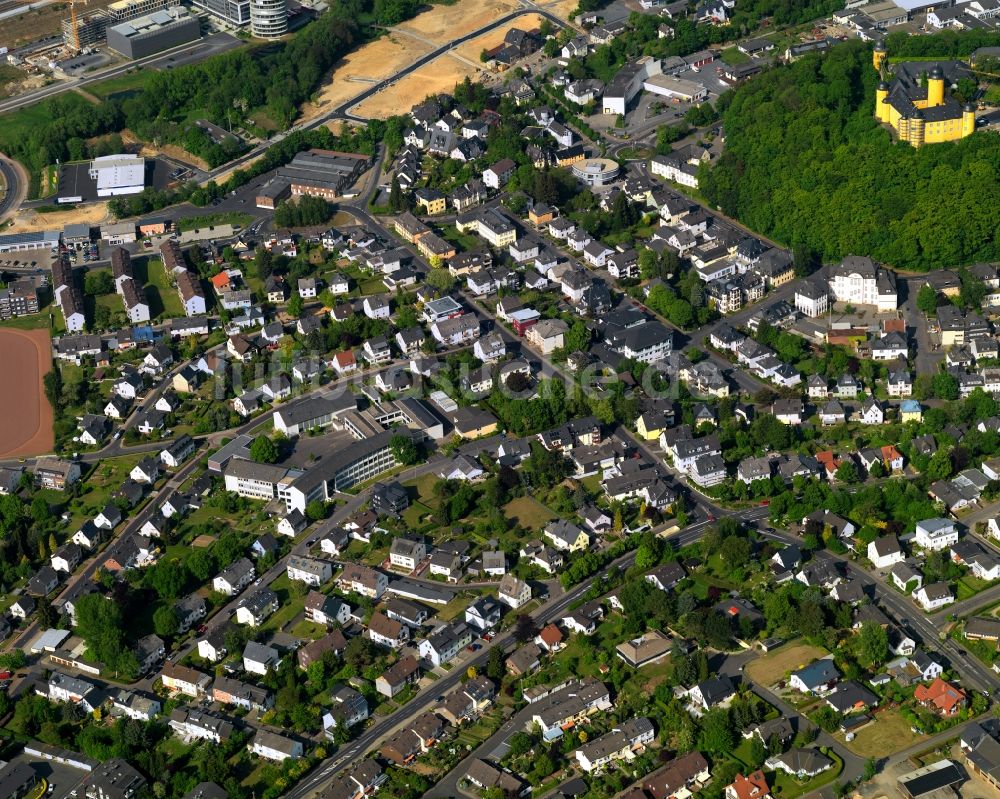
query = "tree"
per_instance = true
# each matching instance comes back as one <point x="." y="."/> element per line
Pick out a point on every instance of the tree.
<point x="264" y="450"/>
<point x="440" y="279"/>
<point x="717" y="731"/>
<point x="294" y="306"/>
<point x="315" y="510"/>
<point x="168" y="578"/>
<point x="927" y="299"/>
<point x="870" y="770"/>
<point x="494" y="665"/>
<point x="98" y="283"/>
<point x="525" y="628"/>
<point x="404" y="449"/>
<point x="874" y="644"/>
<point x="847" y="472"/>
<point x="397" y="200"/>
<point x="165" y="623"/>
<point x="945" y="386"/>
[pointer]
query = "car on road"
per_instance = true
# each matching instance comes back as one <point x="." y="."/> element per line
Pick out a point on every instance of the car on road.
<point x="310" y="542"/>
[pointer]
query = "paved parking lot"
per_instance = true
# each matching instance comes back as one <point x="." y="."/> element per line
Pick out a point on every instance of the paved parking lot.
<point x="65" y="778"/>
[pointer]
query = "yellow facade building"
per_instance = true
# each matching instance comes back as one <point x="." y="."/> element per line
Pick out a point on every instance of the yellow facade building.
<point x="920" y="110"/>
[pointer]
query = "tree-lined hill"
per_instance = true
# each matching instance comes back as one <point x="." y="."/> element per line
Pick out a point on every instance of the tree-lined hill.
<point x="806" y="163"/>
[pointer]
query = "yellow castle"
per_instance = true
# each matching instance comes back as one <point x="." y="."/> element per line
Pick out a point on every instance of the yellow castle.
<point x="922" y="114"/>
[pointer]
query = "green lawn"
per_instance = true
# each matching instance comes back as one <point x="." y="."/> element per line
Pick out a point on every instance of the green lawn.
<point x="425" y="489"/>
<point x="289" y="604"/>
<point x="48" y="319"/>
<point x="97" y="489"/>
<point x="889" y="734"/>
<point x="162" y="296"/>
<point x="462" y="241"/>
<point x="786" y="786"/>
<point x="733" y="57"/>
<point x="129" y="82"/>
<point x="213" y="220"/>
<point x="308" y="629"/>
<point x="969" y="586"/>
<point x="528" y="512"/>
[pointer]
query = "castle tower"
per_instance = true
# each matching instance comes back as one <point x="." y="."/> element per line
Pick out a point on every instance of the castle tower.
<point x="935" y="88"/>
<point x="917" y="128"/>
<point x="878" y="56"/>
<point x="881" y="106"/>
<point x="968" y="120"/>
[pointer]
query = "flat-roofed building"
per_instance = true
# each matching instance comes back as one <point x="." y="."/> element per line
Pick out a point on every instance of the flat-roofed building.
<point x="158" y="31"/>
<point x="119" y="174"/>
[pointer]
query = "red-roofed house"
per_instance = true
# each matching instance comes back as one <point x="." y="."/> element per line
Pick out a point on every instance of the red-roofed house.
<point x="941" y="695"/>
<point x="753" y="786"/>
<point x="892" y="458"/>
<point x="829" y="461"/>
<point x="345" y="362"/>
<point x="550" y="638"/>
<point x="221" y="281"/>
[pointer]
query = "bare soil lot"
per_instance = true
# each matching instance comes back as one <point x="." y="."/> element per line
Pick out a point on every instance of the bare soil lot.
<point x="359" y="69"/>
<point x="29" y="221"/>
<point x="442" y="24"/>
<point x="771" y="667"/>
<point x="25" y="413"/>
<point x="441" y="74"/>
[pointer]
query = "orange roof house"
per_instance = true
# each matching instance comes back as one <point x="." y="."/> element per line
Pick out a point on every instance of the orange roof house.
<point x="892" y="458"/>
<point x="753" y="786"/>
<point x="829" y="461"/>
<point x="221" y="280"/>
<point x="551" y="637"/>
<point x="942" y="696"/>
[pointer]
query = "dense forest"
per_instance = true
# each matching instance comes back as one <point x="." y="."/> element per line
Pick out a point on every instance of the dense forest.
<point x="806" y="164"/>
<point x="276" y="79"/>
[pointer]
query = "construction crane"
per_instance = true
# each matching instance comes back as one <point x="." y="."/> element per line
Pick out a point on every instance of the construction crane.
<point x="74" y="23"/>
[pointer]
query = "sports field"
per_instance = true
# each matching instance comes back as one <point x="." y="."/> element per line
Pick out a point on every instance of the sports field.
<point x="25" y="413"/>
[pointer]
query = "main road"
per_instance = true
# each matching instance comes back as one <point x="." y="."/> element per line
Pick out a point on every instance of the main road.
<point x="15" y="186"/>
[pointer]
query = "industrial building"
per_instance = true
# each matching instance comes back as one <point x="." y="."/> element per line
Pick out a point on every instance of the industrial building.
<point x="154" y="33"/>
<point x="676" y="88"/>
<point x="316" y="173"/>
<point x="232" y="12"/>
<point x="124" y="10"/>
<point x="20" y="242"/>
<point x="268" y="18"/>
<point x="119" y="174"/>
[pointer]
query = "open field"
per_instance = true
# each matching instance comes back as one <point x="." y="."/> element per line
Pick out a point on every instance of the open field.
<point x="440" y="75"/>
<point x="10" y="77"/>
<point x="442" y="24"/>
<point x="28" y="220"/>
<point x="130" y="81"/>
<point x="889" y="734"/>
<point x="528" y="512"/>
<point x="25" y="414"/>
<point x="561" y="8"/>
<point x="771" y="667"/>
<point x="472" y="48"/>
<point x="366" y="65"/>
